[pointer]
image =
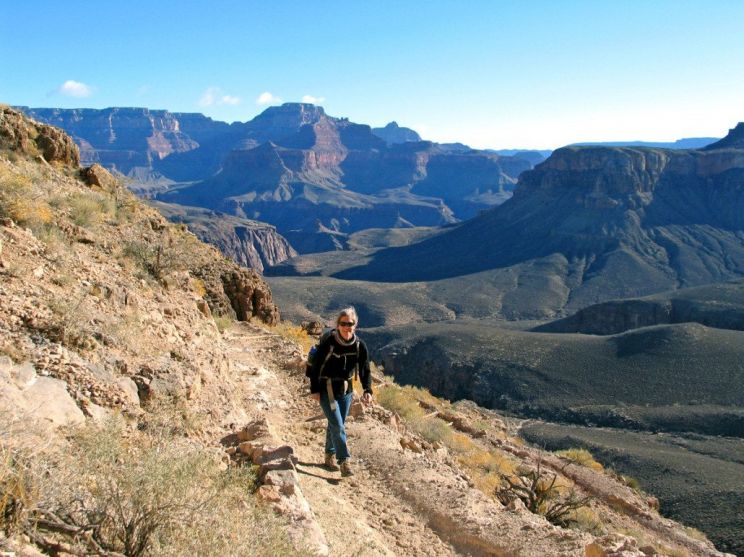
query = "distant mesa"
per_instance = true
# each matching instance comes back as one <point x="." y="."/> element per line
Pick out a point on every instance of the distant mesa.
<point x="686" y="143"/>
<point x="733" y="140"/>
<point x="393" y="133"/>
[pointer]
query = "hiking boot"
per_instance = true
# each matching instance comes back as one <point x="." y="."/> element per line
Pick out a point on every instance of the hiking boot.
<point x="346" y="470"/>
<point x="330" y="461"/>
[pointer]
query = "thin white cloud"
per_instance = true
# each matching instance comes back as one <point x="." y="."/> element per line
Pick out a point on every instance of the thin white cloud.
<point x="313" y="100"/>
<point x="229" y="99"/>
<point x="267" y="98"/>
<point x="72" y="88"/>
<point x="213" y="96"/>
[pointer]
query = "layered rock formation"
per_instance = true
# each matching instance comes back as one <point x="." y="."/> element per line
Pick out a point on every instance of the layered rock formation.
<point x="341" y="176"/>
<point x="121" y="139"/>
<point x="294" y="167"/>
<point x="716" y="305"/>
<point x="249" y="243"/>
<point x="613" y="222"/>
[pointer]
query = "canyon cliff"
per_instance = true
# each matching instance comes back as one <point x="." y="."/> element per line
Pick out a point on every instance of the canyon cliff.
<point x="293" y="166"/>
<point x="609" y="222"/>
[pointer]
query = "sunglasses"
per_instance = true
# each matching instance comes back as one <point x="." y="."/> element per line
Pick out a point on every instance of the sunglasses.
<point x="346" y="323"/>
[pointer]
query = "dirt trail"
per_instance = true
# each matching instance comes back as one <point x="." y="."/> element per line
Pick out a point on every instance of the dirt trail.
<point x="399" y="502"/>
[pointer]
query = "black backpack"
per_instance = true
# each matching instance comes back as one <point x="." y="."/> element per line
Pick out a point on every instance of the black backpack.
<point x="314" y="349"/>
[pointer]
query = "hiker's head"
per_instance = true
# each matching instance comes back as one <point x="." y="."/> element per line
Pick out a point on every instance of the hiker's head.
<point x="346" y="322"/>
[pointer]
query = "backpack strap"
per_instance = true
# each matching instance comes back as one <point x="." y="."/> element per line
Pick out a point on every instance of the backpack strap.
<point x="328" y="356"/>
<point x="356" y="367"/>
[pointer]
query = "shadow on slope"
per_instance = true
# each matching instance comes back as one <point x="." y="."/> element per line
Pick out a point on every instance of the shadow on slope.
<point x="649" y="378"/>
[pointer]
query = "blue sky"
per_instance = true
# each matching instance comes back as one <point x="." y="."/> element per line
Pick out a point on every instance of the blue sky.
<point x="498" y="74"/>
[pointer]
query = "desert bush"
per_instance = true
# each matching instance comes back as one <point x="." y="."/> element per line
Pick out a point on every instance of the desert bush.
<point x="137" y="493"/>
<point x="12" y="351"/>
<point x="53" y="239"/>
<point x="170" y="253"/>
<point x="198" y="287"/>
<point x="399" y="400"/>
<point x="294" y="333"/>
<point x="89" y="208"/>
<point x="20" y="201"/>
<point x="582" y="457"/>
<point x="223" y="322"/>
<point x="18" y="489"/>
<point x="72" y="325"/>
<point x="586" y="520"/>
<point x="171" y="416"/>
<point x="540" y="492"/>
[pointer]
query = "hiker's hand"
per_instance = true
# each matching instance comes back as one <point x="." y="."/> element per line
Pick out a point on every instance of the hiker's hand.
<point x="315" y="397"/>
<point x="367" y="398"/>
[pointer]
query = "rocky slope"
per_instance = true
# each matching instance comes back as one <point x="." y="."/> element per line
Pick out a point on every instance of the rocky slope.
<point x="100" y="290"/>
<point x="249" y="243"/>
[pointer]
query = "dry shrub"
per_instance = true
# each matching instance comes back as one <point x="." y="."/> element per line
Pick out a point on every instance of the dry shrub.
<point x="20" y="200"/>
<point x="582" y="457"/>
<point x="294" y="333"/>
<point x="90" y="208"/>
<point x="542" y="493"/>
<point x="150" y="493"/>
<point x="12" y="351"/>
<point x="72" y="325"/>
<point x="587" y="520"/>
<point x="223" y="322"/>
<point x="173" y="251"/>
<point x="18" y="489"/>
<point x="399" y="400"/>
<point x="171" y="416"/>
<point x="198" y="287"/>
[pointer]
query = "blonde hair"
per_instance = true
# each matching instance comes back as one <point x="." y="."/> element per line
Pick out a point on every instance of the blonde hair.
<point x="349" y="312"/>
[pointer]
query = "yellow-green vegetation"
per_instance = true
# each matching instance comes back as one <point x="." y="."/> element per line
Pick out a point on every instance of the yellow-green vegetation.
<point x="18" y="491"/>
<point x="587" y="520"/>
<point x="198" y="286"/>
<point x="582" y="457"/>
<point x="694" y="533"/>
<point x="485" y="466"/>
<point x="223" y="322"/>
<point x="21" y="199"/>
<point x="90" y="208"/>
<point x="294" y="333"/>
<point x="137" y="491"/>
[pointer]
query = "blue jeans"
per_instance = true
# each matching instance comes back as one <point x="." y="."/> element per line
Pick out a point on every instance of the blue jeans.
<point x="336" y="431"/>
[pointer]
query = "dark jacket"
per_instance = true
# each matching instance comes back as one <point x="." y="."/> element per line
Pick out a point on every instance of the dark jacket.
<point x="340" y="365"/>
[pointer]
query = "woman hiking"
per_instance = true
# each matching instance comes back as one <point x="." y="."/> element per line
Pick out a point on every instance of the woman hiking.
<point x="340" y="356"/>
